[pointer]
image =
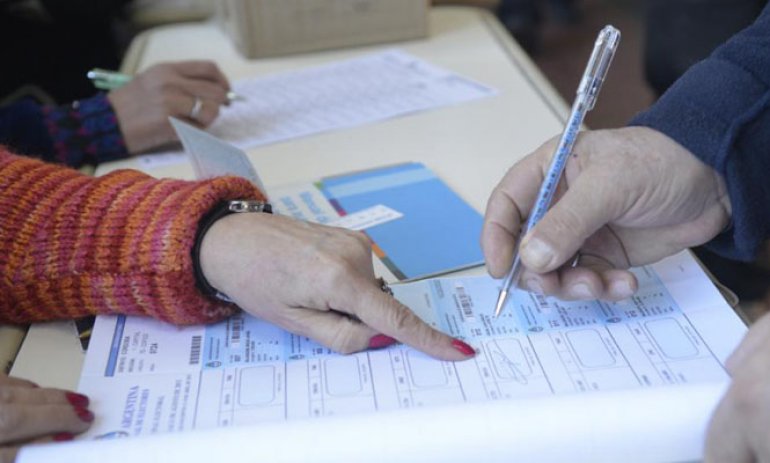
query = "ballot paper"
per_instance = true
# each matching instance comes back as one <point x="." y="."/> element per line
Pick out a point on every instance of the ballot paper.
<point x="553" y="380"/>
<point x="333" y="96"/>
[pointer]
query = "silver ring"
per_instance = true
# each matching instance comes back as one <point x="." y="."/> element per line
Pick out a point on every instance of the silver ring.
<point x="196" y="108"/>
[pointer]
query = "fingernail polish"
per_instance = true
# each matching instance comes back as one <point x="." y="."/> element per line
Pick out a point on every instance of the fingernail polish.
<point x="464" y="348"/>
<point x="77" y="400"/>
<point x="380" y="340"/>
<point x="84" y="414"/>
<point x="538" y="253"/>
<point x="63" y="437"/>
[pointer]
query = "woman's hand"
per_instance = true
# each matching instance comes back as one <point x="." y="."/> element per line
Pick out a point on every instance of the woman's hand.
<point x="189" y="90"/>
<point x="316" y="281"/>
<point x="29" y="413"/>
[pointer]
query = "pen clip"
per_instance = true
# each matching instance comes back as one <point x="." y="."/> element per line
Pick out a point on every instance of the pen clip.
<point x="598" y="65"/>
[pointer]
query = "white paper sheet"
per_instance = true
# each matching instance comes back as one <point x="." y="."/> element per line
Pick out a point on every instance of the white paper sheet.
<point x="649" y="425"/>
<point x="599" y="379"/>
<point x="339" y="95"/>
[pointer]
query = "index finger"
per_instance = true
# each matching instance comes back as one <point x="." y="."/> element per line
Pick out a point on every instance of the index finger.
<point x="508" y="207"/>
<point x="385" y="314"/>
<point x="207" y="70"/>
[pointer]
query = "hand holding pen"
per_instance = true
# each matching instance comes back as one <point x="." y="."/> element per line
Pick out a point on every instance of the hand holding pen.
<point x="189" y="90"/>
<point x="589" y="87"/>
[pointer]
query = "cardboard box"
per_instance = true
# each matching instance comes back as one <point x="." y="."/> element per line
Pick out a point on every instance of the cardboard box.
<point x="260" y="28"/>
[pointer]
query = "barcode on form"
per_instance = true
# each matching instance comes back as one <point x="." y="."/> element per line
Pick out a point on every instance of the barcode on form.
<point x="195" y="350"/>
<point x="466" y="304"/>
<point x="236" y="327"/>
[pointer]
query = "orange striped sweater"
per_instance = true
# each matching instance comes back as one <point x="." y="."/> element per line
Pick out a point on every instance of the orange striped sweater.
<point x="73" y="245"/>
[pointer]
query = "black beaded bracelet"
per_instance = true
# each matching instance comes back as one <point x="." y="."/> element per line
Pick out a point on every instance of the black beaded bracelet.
<point x="220" y="210"/>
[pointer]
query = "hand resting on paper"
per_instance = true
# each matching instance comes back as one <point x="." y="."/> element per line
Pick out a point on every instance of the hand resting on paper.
<point x="628" y="197"/>
<point x="188" y="90"/>
<point x="316" y="281"/>
<point x="29" y="413"/>
<point x="740" y="427"/>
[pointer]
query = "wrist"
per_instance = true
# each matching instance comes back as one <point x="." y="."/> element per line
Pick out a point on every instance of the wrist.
<point x="723" y="198"/>
<point x="206" y="250"/>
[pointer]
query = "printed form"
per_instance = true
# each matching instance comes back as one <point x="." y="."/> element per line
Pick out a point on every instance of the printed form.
<point x="334" y="96"/>
<point x="146" y="377"/>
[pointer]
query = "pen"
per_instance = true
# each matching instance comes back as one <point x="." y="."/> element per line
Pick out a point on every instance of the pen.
<point x="593" y="78"/>
<point x="110" y="80"/>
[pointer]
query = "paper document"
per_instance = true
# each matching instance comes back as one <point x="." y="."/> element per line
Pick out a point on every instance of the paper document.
<point x="212" y="157"/>
<point x="146" y="377"/>
<point x="334" y="96"/>
<point x="418" y="226"/>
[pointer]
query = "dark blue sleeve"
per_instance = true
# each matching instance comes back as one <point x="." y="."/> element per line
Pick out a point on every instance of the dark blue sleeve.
<point x="23" y="129"/>
<point x="720" y="110"/>
<point x="83" y="132"/>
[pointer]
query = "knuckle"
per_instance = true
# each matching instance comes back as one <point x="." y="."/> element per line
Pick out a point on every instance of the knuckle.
<point x="340" y="270"/>
<point x="10" y="419"/>
<point x="361" y="239"/>
<point x="167" y="101"/>
<point x="344" y="341"/>
<point x="400" y="319"/>
<point x="166" y="86"/>
<point x="568" y="221"/>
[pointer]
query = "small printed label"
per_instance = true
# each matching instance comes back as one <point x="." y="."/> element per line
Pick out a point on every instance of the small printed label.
<point x="367" y="218"/>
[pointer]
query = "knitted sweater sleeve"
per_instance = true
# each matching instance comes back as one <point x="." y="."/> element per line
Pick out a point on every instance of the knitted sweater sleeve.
<point x="720" y="110"/>
<point x="73" y="245"/>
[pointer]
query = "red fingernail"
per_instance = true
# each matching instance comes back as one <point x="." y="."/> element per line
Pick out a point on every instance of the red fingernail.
<point x="84" y="414"/>
<point x="465" y="349"/>
<point x="77" y="400"/>
<point x="379" y="341"/>
<point x="63" y="436"/>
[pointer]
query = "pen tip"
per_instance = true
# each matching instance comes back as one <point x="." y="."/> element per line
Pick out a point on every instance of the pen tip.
<point x="500" y="302"/>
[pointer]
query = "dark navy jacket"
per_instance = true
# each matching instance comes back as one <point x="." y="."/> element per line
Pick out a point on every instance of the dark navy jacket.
<point x="720" y="110"/>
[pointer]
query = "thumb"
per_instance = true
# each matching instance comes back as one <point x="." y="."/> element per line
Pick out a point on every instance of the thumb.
<point x="584" y="208"/>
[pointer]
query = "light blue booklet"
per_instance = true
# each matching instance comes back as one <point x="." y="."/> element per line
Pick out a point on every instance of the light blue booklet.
<point x="419" y="227"/>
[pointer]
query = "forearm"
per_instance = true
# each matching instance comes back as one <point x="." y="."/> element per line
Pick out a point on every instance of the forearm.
<point x="720" y="111"/>
<point x="72" y="245"/>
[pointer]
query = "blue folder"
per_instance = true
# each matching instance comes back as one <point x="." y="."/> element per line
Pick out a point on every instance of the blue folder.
<point x="438" y="233"/>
